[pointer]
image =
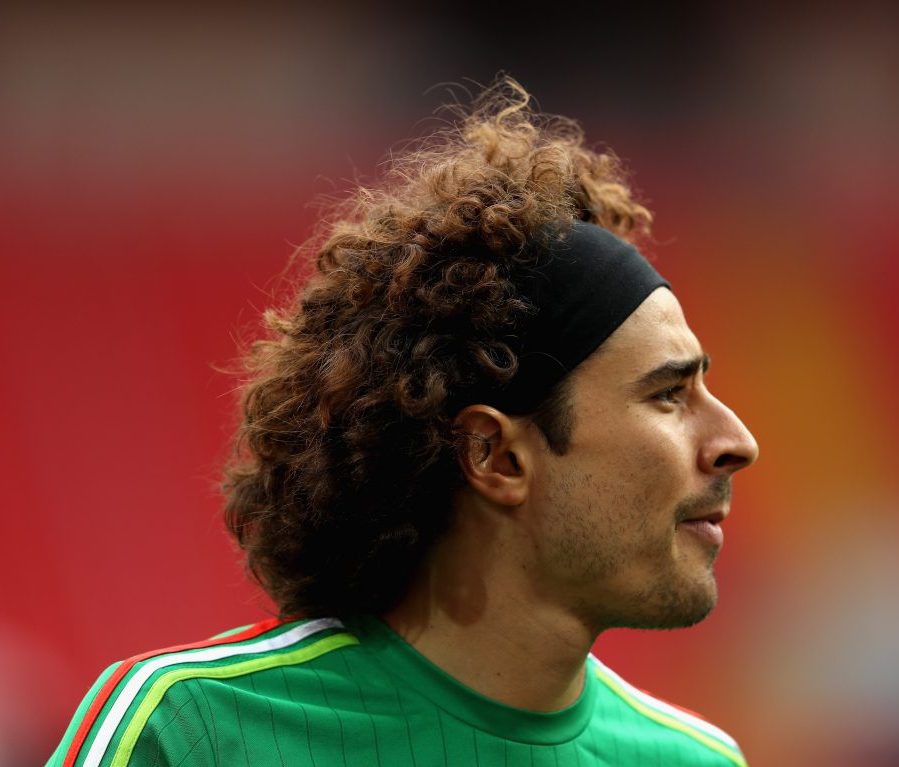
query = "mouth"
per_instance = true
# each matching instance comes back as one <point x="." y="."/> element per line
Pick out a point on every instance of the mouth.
<point x="707" y="527"/>
<point x="716" y="517"/>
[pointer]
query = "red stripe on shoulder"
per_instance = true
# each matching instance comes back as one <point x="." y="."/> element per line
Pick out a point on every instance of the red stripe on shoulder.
<point x="106" y="690"/>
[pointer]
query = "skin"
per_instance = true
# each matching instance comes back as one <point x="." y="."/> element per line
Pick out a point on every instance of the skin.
<point x="548" y="551"/>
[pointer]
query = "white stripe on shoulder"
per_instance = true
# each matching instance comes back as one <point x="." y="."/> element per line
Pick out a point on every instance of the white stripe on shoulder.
<point x="666" y="708"/>
<point x="217" y="652"/>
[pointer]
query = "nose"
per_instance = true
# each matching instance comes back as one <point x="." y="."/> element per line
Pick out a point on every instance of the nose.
<point x="729" y="445"/>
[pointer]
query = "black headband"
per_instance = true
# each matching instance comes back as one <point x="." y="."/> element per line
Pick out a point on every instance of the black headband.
<point x="585" y="282"/>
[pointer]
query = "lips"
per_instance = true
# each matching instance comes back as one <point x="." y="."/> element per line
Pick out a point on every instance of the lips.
<point x="716" y="517"/>
<point x="706" y="527"/>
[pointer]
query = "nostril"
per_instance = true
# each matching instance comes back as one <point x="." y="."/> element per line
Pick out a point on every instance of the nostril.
<point x="729" y="459"/>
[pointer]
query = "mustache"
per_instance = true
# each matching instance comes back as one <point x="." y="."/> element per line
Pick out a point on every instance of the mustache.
<point x="718" y="494"/>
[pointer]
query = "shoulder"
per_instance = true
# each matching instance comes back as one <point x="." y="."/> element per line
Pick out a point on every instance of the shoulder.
<point x="155" y="700"/>
<point x="672" y="729"/>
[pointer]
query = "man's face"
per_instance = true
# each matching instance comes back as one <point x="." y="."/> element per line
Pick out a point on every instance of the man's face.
<point x="613" y="536"/>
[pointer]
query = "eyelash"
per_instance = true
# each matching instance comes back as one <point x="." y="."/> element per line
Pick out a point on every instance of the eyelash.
<point x="666" y="395"/>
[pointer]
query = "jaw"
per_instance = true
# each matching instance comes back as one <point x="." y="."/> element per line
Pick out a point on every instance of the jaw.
<point x="677" y="605"/>
<point x="677" y="596"/>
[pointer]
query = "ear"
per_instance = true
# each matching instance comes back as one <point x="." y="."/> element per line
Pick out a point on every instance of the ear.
<point x="495" y="455"/>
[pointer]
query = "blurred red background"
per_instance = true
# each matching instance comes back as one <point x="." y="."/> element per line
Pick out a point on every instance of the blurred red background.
<point x="157" y="169"/>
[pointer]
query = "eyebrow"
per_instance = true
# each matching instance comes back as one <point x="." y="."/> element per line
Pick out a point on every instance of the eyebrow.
<point x="672" y="370"/>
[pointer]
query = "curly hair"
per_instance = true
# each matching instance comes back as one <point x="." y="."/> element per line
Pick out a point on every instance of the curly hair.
<point x="346" y="462"/>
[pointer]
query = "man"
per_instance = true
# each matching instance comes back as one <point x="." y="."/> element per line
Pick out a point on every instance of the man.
<point x="479" y="436"/>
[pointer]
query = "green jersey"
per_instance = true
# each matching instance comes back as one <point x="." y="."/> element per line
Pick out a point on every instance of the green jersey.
<point x="321" y="693"/>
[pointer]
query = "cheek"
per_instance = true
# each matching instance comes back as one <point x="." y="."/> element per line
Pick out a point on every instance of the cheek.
<point x="650" y="465"/>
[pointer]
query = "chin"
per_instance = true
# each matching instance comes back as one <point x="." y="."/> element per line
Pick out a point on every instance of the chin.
<point x="691" y="607"/>
<point x="674" y="605"/>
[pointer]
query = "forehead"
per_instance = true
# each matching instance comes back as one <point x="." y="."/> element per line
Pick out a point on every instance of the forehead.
<point x="656" y="332"/>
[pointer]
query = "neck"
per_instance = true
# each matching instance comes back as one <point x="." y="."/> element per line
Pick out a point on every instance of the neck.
<point x="473" y="612"/>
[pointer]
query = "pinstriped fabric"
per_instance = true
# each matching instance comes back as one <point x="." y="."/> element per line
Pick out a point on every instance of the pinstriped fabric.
<point x="132" y="688"/>
<point x="109" y="706"/>
<point x="670" y="716"/>
<point x="155" y="693"/>
<point x="330" y="700"/>
<point x="99" y="696"/>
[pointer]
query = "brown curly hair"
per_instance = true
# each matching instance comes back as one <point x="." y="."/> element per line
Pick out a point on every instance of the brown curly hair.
<point x="346" y="465"/>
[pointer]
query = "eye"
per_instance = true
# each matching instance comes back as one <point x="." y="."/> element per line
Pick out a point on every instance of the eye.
<point x="667" y="395"/>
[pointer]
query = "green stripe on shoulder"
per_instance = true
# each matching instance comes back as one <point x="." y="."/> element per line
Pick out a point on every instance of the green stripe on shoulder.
<point x="59" y="755"/>
<point x="164" y="681"/>
<point x="669" y="721"/>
